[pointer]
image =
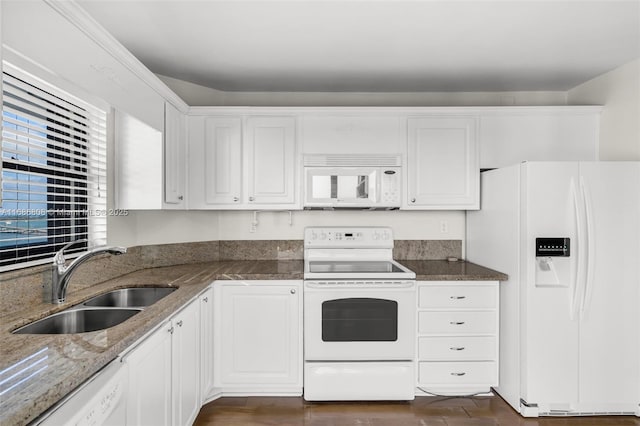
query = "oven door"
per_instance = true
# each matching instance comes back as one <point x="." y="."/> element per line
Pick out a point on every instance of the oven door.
<point x="359" y="321"/>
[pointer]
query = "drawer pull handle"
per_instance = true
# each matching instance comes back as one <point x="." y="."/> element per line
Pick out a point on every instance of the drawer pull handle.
<point x="458" y="374"/>
<point x="456" y="322"/>
<point x="460" y="348"/>
<point x="457" y="297"/>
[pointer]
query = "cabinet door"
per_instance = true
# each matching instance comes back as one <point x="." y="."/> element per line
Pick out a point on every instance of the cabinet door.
<point x="206" y="344"/>
<point x="149" y="394"/>
<point x="260" y="342"/>
<point x="270" y="145"/>
<point x="174" y="155"/>
<point x="138" y="165"/>
<point x="223" y="161"/>
<point x="442" y="167"/>
<point x="186" y="364"/>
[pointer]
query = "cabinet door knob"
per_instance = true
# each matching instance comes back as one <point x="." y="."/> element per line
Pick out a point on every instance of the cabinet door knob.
<point x="170" y="330"/>
<point x="251" y="198"/>
<point x="293" y="291"/>
<point x="459" y="348"/>
<point x="236" y="199"/>
<point x="179" y="323"/>
<point x="456" y="322"/>
<point x="457" y="297"/>
<point x="205" y="299"/>
<point x="458" y="374"/>
<point x="413" y="200"/>
<point x="180" y="197"/>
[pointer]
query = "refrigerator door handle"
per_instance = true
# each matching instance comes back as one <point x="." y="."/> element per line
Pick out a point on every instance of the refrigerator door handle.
<point x="590" y="249"/>
<point x="575" y="284"/>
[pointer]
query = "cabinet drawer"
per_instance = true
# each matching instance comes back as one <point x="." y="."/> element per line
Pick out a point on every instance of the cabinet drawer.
<point x="457" y="373"/>
<point x="462" y="348"/>
<point x="457" y="322"/>
<point x="457" y="296"/>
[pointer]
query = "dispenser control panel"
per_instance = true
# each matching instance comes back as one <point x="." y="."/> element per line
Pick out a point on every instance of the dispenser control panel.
<point x="553" y="247"/>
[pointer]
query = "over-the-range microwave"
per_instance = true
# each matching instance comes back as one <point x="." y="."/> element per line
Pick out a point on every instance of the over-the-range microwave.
<point x="347" y="181"/>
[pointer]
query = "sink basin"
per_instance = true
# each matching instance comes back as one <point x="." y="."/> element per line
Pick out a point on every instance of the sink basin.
<point x="138" y="297"/>
<point x="78" y="321"/>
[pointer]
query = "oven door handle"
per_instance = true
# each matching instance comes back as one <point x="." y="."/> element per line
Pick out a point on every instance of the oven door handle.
<point x="364" y="285"/>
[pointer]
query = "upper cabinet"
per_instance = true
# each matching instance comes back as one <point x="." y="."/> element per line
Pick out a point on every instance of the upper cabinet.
<point x="270" y="158"/>
<point x="512" y="135"/>
<point x="243" y="162"/>
<point x="222" y="183"/>
<point x="150" y="164"/>
<point x="442" y="163"/>
<point x="175" y="135"/>
<point x="138" y="165"/>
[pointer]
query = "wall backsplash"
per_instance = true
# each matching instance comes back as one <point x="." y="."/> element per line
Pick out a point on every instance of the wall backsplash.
<point x="23" y="287"/>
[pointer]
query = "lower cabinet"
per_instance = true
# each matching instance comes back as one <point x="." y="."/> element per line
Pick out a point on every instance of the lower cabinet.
<point x="457" y="337"/>
<point x="258" y="337"/>
<point x="206" y="345"/>
<point x="164" y="373"/>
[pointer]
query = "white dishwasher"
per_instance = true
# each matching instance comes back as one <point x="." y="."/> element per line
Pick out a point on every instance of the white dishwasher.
<point x="99" y="401"/>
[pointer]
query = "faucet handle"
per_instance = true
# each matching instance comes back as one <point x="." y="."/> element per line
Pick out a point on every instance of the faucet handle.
<point x="59" y="259"/>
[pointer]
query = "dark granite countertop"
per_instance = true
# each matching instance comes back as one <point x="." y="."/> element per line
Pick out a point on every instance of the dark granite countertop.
<point x="69" y="360"/>
<point x="442" y="270"/>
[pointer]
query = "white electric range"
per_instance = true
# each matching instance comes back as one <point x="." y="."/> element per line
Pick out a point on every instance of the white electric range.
<point x="359" y="316"/>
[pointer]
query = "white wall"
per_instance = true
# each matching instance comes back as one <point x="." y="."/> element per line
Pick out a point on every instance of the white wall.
<point x="619" y="92"/>
<point x="196" y="95"/>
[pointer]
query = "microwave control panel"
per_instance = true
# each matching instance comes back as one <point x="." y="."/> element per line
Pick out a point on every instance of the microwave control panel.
<point x="390" y="186"/>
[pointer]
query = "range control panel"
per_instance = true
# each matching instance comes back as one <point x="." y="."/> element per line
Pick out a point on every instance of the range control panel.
<point x="348" y="237"/>
<point x="553" y="247"/>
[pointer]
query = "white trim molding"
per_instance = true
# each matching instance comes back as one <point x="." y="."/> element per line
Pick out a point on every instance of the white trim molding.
<point x="79" y="17"/>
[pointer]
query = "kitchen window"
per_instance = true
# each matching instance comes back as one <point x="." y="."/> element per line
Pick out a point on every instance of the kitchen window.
<point x="53" y="171"/>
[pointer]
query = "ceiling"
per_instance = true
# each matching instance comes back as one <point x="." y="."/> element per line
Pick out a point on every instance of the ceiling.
<point x="376" y="46"/>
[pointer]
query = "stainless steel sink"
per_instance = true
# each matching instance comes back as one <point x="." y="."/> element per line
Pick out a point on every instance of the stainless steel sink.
<point x="138" y="297"/>
<point x="78" y="321"/>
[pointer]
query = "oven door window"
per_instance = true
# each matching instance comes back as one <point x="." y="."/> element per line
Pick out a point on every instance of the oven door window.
<point x="360" y="320"/>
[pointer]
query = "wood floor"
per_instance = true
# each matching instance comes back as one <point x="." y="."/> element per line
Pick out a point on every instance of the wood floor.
<point x="423" y="411"/>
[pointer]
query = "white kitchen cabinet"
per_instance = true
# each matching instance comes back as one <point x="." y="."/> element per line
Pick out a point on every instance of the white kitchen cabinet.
<point x="270" y="158"/>
<point x="457" y="337"/>
<point x="164" y="372"/>
<point x="243" y="162"/>
<point x="138" y="165"/>
<point x="513" y="135"/>
<point x="258" y="337"/>
<point x="223" y="161"/>
<point x="442" y="164"/>
<point x="353" y="132"/>
<point x="149" y="392"/>
<point x="175" y="142"/>
<point x="186" y="364"/>
<point x="206" y="345"/>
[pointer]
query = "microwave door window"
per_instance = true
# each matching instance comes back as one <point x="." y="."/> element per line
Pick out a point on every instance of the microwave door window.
<point x="352" y="187"/>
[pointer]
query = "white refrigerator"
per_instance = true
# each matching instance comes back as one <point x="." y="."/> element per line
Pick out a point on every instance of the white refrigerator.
<point x="568" y="236"/>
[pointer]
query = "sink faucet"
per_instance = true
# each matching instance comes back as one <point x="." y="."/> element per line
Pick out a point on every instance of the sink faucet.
<point x="60" y="274"/>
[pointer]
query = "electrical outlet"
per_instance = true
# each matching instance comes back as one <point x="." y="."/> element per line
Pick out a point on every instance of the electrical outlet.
<point x="444" y="227"/>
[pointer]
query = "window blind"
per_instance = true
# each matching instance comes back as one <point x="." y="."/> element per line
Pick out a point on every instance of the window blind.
<point x="54" y="171"/>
